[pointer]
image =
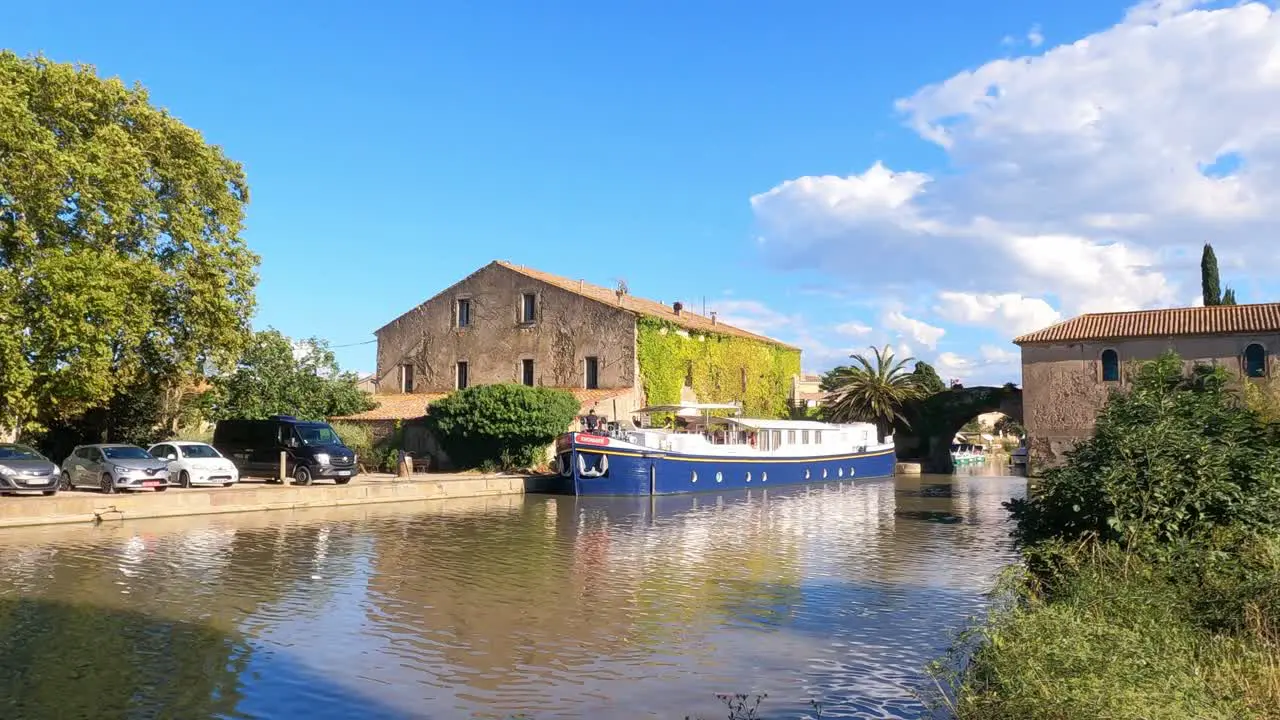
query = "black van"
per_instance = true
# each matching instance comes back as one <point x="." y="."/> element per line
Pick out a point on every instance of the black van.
<point x="313" y="449"/>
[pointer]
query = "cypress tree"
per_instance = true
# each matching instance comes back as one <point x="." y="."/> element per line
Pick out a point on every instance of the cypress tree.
<point x="1209" y="285"/>
<point x="1228" y="296"/>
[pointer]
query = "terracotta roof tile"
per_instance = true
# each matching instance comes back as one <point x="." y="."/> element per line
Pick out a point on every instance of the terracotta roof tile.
<point x="400" y="406"/>
<point x="640" y="306"/>
<point x="1220" y="319"/>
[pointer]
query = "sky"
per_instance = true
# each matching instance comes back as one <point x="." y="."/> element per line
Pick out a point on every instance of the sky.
<point x="935" y="176"/>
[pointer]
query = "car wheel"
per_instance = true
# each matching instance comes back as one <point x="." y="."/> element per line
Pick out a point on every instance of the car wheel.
<point x="48" y="493"/>
<point x="64" y="482"/>
<point x="184" y="480"/>
<point x="302" y="476"/>
<point x="108" y="486"/>
<point x="227" y="484"/>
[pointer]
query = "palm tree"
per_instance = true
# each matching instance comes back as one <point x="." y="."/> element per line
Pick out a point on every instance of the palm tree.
<point x="873" y="392"/>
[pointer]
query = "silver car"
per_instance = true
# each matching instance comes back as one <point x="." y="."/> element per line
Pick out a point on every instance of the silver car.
<point x="25" y="470"/>
<point x="113" y="468"/>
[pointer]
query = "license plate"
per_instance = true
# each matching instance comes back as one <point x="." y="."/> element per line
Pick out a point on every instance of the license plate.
<point x="38" y="481"/>
<point x="343" y="473"/>
<point x="151" y="483"/>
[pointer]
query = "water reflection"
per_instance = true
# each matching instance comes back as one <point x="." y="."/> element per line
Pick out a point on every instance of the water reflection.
<point x="548" y="606"/>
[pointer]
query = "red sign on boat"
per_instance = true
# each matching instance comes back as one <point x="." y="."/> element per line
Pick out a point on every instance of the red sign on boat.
<point x="585" y="439"/>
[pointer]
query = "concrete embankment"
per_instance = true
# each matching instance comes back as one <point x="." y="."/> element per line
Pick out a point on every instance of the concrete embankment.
<point x="250" y="496"/>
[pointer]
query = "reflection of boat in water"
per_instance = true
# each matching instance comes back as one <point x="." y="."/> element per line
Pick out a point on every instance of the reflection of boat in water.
<point x="709" y="453"/>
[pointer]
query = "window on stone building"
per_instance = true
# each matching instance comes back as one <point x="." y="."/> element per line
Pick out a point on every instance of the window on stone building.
<point x="1110" y="366"/>
<point x="526" y="371"/>
<point x="528" y="307"/>
<point x="406" y="378"/>
<point x="592" y="373"/>
<point x="464" y="312"/>
<point x="743" y="374"/>
<point x="1255" y="361"/>
<point x="462" y="375"/>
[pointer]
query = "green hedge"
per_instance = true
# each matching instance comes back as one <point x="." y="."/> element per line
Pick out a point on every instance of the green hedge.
<point x="504" y="425"/>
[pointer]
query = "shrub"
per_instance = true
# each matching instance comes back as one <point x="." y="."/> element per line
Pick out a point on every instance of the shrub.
<point x="1171" y="460"/>
<point x="357" y="437"/>
<point x="505" y="424"/>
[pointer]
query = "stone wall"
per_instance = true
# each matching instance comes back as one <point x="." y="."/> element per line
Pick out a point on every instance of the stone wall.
<point x="1063" y="390"/>
<point x="568" y="329"/>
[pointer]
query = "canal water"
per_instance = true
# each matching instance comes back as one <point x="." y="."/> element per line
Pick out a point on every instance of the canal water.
<point x="536" y="607"/>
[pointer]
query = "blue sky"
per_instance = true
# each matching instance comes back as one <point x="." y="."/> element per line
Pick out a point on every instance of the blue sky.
<point x="835" y="174"/>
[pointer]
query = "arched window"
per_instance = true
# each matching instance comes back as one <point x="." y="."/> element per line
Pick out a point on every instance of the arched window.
<point x="1110" y="366"/>
<point x="1255" y="361"/>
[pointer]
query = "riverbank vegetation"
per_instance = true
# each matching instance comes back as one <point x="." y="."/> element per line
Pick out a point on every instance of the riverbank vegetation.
<point x="503" y="426"/>
<point x="1150" y="586"/>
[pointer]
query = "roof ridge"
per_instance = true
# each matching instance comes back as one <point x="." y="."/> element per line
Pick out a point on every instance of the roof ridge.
<point x="1252" y="318"/>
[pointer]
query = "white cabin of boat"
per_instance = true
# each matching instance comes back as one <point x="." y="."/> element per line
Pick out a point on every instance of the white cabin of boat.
<point x="703" y="433"/>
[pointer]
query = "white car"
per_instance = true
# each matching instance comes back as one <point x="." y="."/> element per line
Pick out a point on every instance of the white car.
<point x="195" y="463"/>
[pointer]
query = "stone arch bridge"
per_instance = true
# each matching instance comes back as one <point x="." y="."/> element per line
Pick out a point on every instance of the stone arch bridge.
<point x="932" y="423"/>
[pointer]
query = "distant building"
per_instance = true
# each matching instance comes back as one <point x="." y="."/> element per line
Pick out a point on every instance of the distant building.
<point x="367" y="383"/>
<point x="1069" y="368"/>
<point x="505" y="323"/>
<point x="807" y="392"/>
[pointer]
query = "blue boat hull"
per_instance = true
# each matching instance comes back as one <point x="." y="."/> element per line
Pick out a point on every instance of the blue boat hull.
<point x="656" y="473"/>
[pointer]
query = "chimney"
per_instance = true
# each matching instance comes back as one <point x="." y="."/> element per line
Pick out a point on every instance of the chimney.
<point x="677" y="306"/>
<point x="581" y="284"/>
<point x="713" y="317"/>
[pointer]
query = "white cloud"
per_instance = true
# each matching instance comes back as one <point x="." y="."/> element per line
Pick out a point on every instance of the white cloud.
<point x="1084" y="178"/>
<point x="918" y="330"/>
<point x="853" y="328"/>
<point x="1011" y="313"/>
<point x="1035" y="38"/>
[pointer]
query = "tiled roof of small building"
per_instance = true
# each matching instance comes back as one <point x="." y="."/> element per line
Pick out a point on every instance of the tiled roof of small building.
<point x="1214" y="320"/>
<point x="401" y="406"/>
<point x="640" y="306"/>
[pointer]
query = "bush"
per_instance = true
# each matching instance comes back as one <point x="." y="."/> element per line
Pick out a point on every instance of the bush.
<point x="357" y="437"/>
<point x="507" y="425"/>
<point x="1172" y="459"/>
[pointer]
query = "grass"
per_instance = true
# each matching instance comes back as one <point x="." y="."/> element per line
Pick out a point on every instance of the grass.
<point x="1116" y="638"/>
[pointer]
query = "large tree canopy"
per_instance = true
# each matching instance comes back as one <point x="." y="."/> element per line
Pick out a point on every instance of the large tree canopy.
<point x="277" y="376"/>
<point x="120" y="249"/>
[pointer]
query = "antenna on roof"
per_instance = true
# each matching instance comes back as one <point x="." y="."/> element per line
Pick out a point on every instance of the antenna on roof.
<point x="621" y="289"/>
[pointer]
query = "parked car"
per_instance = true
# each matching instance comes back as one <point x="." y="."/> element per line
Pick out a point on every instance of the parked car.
<point x="113" y="468"/>
<point x="25" y="470"/>
<point x="312" y="449"/>
<point x="195" y="463"/>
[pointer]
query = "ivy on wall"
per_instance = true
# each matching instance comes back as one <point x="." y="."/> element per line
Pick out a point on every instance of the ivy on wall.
<point x="670" y="354"/>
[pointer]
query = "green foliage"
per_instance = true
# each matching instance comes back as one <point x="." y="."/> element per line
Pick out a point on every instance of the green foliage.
<point x="668" y="354"/>
<point x="1008" y="426"/>
<point x="1263" y="397"/>
<point x="1228" y="296"/>
<point x="1210" y="287"/>
<point x="357" y="437"/>
<point x="873" y="391"/>
<point x="927" y="379"/>
<point x="505" y="423"/>
<point x="120" y="249"/>
<point x="271" y="380"/>
<point x="1116" y="639"/>
<point x="1172" y="459"/>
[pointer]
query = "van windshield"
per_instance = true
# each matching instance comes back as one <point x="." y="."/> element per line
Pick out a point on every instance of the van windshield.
<point x="318" y="435"/>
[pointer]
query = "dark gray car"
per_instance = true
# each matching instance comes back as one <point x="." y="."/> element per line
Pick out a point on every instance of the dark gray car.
<point x="25" y="470"/>
<point x="112" y="468"/>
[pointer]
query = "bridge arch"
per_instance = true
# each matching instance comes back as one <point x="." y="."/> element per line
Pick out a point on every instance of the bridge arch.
<point x="934" y="421"/>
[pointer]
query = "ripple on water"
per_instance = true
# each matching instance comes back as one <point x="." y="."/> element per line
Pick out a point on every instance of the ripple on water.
<point x="553" y="607"/>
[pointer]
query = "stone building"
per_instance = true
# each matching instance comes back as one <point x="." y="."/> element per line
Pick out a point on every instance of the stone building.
<point x="1068" y="369"/>
<point x="505" y="323"/>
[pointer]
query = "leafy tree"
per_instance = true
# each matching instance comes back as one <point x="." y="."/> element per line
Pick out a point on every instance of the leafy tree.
<point x="275" y="376"/>
<point x="505" y="424"/>
<point x="1228" y="296"/>
<point x="1210" y="287"/>
<point x="120" y="249"/>
<point x="1008" y="426"/>
<point x="873" y="391"/>
<point x="927" y="378"/>
<point x="1175" y="458"/>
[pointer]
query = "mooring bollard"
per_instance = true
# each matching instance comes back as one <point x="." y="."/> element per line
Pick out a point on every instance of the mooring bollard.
<point x="284" y="457"/>
<point x="403" y="468"/>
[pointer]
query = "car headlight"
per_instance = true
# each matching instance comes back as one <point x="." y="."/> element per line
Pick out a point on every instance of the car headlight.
<point x="121" y="470"/>
<point x="322" y="458"/>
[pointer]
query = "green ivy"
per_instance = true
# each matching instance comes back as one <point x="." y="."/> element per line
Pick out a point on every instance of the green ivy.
<point x="668" y="353"/>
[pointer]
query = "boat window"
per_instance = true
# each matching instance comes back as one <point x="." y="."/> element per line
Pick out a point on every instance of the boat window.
<point x="817" y="437"/>
<point x="791" y="437"/>
<point x="804" y="437"/>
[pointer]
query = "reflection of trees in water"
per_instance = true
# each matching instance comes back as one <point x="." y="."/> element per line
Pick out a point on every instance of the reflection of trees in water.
<point x="68" y="661"/>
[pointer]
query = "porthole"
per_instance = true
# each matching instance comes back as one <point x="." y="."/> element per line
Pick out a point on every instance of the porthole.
<point x="806" y="473"/>
<point x="850" y="472"/>
<point x="824" y="473"/>
<point x="840" y="472"/>
<point x="719" y="477"/>
<point x="695" y="476"/>
<point x="748" y="477"/>
<point x="764" y="477"/>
